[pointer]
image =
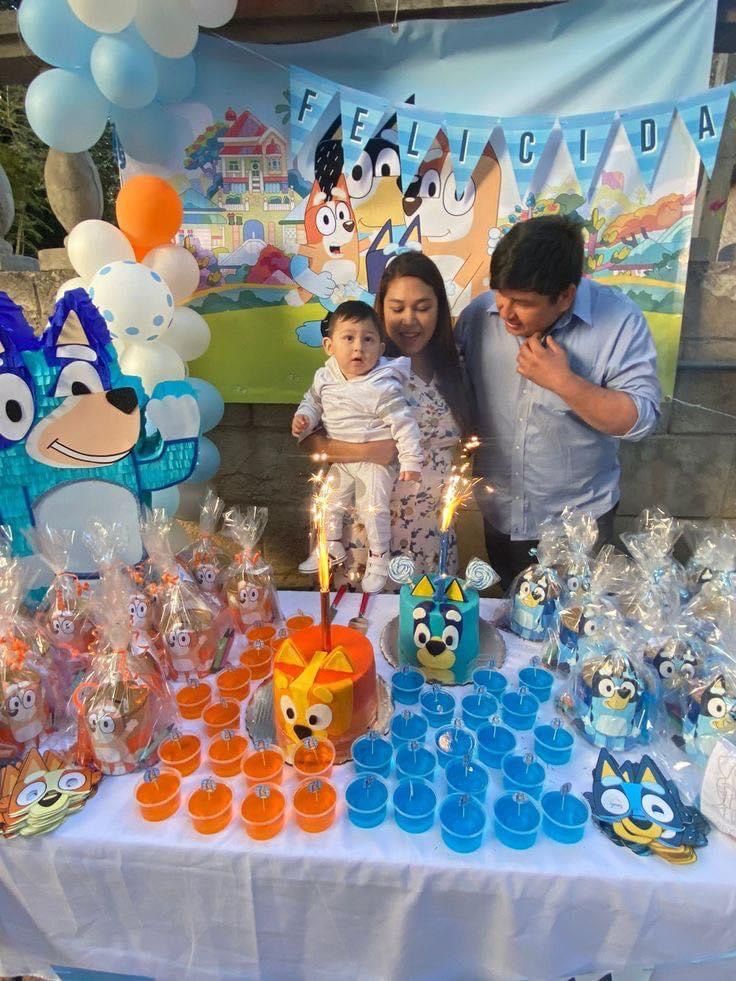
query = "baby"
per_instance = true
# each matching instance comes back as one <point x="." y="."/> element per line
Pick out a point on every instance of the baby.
<point x="359" y="397"/>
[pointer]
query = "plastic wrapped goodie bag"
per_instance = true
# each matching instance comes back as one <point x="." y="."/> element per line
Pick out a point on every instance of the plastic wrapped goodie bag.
<point x="249" y="587"/>
<point x="712" y="553"/>
<point x="538" y="592"/>
<point x="575" y="553"/>
<point x="204" y="559"/>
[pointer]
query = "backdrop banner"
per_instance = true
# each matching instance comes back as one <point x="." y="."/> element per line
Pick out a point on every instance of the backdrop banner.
<point x="303" y="169"/>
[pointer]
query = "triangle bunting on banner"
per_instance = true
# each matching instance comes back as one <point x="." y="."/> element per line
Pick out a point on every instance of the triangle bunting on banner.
<point x="647" y="128"/>
<point x="526" y="137"/>
<point x="703" y="116"/>
<point x="417" y="129"/>
<point x="309" y="97"/>
<point x="362" y="117"/>
<point x="587" y="138"/>
<point x="467" y="137"/>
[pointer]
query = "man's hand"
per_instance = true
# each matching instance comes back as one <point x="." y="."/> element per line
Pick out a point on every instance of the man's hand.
<point x="547" y="366"/>
<point x="299" y="424"/>
<point x="410" y="475"/>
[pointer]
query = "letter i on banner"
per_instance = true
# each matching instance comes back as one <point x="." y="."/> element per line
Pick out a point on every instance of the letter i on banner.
<point x="703" y="116"/>
<point x="309" y="97"/>
<point x="588" y="138"/>
<point x="417" y="129"/>
<point x="467" y="137"/>
<point x="647" y="128"/>
<point x="362" y="116"/>
<point x="526" y="138"/>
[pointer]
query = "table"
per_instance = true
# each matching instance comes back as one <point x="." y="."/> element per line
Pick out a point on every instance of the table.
<point x="111" y="892"/>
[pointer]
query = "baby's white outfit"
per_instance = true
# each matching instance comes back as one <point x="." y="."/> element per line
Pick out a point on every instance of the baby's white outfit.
<point x="363" y="410"/>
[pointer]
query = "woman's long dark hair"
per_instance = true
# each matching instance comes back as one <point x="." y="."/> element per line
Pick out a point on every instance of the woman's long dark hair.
<point x="441" y="348"/>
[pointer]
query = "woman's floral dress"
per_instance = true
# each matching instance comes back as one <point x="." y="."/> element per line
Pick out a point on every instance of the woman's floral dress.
<point x="415" y="508"/>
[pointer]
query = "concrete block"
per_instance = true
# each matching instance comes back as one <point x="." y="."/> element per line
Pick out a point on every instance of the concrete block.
<point x="238" y="415"/>
<point x="712" y="389"/>
<point x="261" y="467"/>
<point x="708" y="312"/>
<point x="276" y="416"/>
<point x="729" y="498"/>
<point x="21" y="289"/>
<point x="56" y="259"/>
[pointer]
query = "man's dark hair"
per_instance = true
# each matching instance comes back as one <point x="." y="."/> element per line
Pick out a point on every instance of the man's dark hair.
<point x="353" y="310"/>
<point x="542" y="255"/>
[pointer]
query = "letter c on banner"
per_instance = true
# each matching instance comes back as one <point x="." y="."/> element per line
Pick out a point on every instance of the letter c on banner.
<point x="648" y="135"/>
<point x="358" y="124"/>
<point x="526" y="154"/>
<point x="306" y="105"/>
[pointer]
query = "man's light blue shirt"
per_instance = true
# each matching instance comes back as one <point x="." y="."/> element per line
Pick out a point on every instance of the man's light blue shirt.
<point x="536" y="454"/>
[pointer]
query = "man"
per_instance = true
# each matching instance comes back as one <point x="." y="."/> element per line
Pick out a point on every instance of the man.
<point x="561" y="368"/>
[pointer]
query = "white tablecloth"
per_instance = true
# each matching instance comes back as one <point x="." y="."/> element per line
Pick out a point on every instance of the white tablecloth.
<point x="112" y="892"/>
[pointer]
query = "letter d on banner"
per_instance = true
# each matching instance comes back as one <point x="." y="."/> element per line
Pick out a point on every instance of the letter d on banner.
<point x="647" y="128"/>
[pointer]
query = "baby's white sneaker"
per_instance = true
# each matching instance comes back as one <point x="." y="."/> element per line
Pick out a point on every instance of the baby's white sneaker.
<point x="376" y="573"/>
<point x="337" y="555"/>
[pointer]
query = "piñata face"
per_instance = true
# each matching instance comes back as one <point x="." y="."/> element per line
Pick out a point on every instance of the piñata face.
<point x="438" y="628"/>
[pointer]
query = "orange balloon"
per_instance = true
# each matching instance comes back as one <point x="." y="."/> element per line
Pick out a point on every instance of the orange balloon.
<point x="149" y="212"/>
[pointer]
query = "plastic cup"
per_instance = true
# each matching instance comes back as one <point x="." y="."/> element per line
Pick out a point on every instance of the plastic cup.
<point x="453" y="742"/>
<point x="224" y="714"/>
<point x="264" y="764"/>
<point x="494" y="742"/>
<point x="493" y="681"/>
<point x="300" y="621"/>
<point x="438" y="706"/>
<point x="408" y="727"/>
<point x="516" y="820"/>
<point x="234" y="683"/>
<point x="414" y="804"/>
<point x="314" y="758"/>
<point x="225" y="753"/>
<point x="192" y="699"/>
<point x="315" y="803"/>
<point x="462" y="822"/>
<point x="372" y="754"/>
<point x="265" y="633"/>
<point x="553" y="744"/>
<point x="181" y="752"/>
<point x="519" y="709"/>
<point x="538" y="681"/>
<point x="210" y="807"/>
<point x="467" y="777"/>
<point x="523" y="773"/>
<point x="158" y="794"/>
<point x="415" y="760"/>
<point x="406" y="684"/>
<point x="564" y="816"/>
<point x="367" y="800"/>
<point x="478" y="708"/>
<point x="258" y="659"/>
<point x="263" y="811"/>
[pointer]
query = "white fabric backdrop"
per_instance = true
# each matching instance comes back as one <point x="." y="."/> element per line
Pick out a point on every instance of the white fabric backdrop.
<point x="111" y="892"/>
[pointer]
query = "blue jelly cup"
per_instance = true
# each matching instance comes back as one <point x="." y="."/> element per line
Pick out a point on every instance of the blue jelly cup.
<point x="519" y="709"/>
<point x="406" y="727"/>
<point x="372" y="754"/>
<point x="523" y="773"/>
<point x="467" y="777"/>
<point x="462" y="822"/>
<point x="516" y="820"/>
<point x="494" y="742"/>
<point x="367" y="799"/>
<point x="406" y="683"/>
<point x="493" y="681"/>
<point x="564" y="816"/>
<point x="553" y="744"/>
<point x="538" y="681"/>
<point x="415" y="760"/>
<point x="478" y="708"/>
<point x="414" y="804"/>
<point x="438" y="707"/>
<point x="453" y="742"/>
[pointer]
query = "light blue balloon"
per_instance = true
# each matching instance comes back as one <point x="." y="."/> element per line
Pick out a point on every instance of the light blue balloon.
<point x="66" y="110"/>
<point x="124" y="69"/>
<point x="208" y="462"/>
<point x="211" y="403"/>
<point x="52" y="32"/>
<point x="176" y="77"/>
<point x="168" y="499"/>
<point x="149" y="135"/>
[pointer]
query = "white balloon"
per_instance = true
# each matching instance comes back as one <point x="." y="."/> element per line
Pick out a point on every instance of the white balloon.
<point x="168" y="26"/>
<point x="188" y="334"/>
<point x="93" y="243"/>
<point x="105" y="16"/>
<point x="71" y="284"/>
<point x="213" y="13"/>
<point x="152" y="363"/>
<point x="134" y="300"/>
<point x="178" y="268"/>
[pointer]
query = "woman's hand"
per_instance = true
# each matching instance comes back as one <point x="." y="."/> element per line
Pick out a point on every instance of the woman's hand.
<point x="410" y="475"/>
<point x="382" y="451"/>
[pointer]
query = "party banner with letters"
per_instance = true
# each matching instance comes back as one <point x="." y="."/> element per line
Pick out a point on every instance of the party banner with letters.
<point x="302" y="174"/>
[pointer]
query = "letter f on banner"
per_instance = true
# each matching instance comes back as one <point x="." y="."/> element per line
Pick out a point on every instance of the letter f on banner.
<point x="309" y="97"/>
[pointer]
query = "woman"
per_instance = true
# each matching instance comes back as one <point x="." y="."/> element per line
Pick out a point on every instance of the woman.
<point x="412" y="305"/>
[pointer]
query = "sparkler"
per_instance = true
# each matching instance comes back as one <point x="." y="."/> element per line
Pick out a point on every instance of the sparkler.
<point x="320" y="508"/>
<point x="458" y="491"/>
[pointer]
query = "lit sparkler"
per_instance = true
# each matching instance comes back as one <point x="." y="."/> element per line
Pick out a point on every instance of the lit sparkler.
<point x="320" y="510"/>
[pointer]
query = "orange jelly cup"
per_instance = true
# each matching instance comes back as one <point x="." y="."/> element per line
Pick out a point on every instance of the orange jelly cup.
<point x="314" y="758"/>
<point x="264" y="764"/>
<point x="263" y="812"/>
<point x="224" y="714"/>
<point x="266" y="632"/>
<point x="315" y="804"/>
<point x="159" y="796"/>
<point x="300" y="621"/>
<point x="183" y="753"/>
<point x="192" y="699"/>
<point x="234" y="683"/>
<point x="210" y="807"/>
<point x="225" y="753"/>
<point x="258" y="660"/>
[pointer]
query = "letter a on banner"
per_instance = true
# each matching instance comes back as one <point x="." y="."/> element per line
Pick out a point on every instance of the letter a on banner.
<point x="704" y="115"/>
<point x="310" y="96"/>
<point x="587" y="138"/>
<point x="362" y="117"/>
<point x="647" y="128"/>
<point x="526" y="138"/>
<point x="417" y="129"/>
<point x="467" y="137"/>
